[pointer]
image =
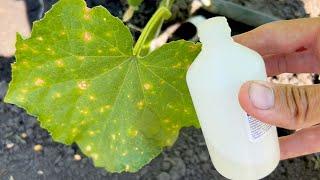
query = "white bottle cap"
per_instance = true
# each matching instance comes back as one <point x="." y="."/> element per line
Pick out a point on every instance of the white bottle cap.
<point x="214" y="29"/>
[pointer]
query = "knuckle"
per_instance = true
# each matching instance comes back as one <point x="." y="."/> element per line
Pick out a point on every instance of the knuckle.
<point x="298" y="104"/>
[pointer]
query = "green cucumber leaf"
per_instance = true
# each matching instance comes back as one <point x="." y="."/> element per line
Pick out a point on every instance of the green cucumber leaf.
<point x="135" y="3"/>
<point x="77" y="74"/>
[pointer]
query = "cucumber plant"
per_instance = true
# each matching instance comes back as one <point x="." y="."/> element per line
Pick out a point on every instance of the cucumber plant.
<point x="81" y="76"/>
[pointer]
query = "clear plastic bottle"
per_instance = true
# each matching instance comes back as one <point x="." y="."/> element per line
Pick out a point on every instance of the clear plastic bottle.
<point x="240" y="146"/>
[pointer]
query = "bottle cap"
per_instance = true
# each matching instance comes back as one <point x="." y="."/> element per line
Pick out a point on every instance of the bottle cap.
<point x="213" y="30"/>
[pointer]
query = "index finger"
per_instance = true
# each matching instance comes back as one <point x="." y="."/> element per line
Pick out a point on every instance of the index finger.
<point x="281" y="37"/>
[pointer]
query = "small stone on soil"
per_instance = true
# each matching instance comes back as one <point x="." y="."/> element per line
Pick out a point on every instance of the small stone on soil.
<point x="24" y="135"/>
<point x="40" y="172"/>
<point x="37" y="148"/>
<point x="9" y="145"/>
<point x="77" y="157"/>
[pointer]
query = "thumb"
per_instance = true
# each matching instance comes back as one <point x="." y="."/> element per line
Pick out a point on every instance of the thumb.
<point x="287" y="106"/>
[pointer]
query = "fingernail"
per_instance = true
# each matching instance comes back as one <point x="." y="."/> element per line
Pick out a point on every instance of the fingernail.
<point x="261" y="95"/>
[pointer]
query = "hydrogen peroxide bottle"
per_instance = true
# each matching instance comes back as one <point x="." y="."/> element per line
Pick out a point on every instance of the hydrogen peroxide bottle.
<point x="240" y="146"/>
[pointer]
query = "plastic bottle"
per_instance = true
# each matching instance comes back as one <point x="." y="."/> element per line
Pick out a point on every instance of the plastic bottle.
<point x="240" y="146"/>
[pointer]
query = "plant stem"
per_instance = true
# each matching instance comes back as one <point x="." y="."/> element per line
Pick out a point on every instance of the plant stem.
<point x="167" y="3"/>
<point x="128" y="14"/>
<point x="151" y="28"/>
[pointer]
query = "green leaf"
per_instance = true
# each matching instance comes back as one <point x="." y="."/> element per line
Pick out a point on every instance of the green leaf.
<point x="135" y="3"/>
<point x="78" y="75"/>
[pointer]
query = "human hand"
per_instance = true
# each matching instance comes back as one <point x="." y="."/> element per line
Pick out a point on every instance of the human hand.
<point x="291" y="46"/>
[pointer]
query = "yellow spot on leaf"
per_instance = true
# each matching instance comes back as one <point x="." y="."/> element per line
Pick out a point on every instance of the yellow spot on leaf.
<point x="87" y="36"/>
<point x="57" y="95"/>
<point x="176" y="126"/>
<point x="124" y="153"/>
<point x="81" y="58"/>
<point x="62" y="33"/>
<point x="170" y="106"/>
<point x="109" y="34"/>
<point x="87" y="14"/>
<point x="136" y="148"/>
<point x="83" y="85"/>
<point x="24" y="47"/>
<point x="193" y="48"/>
<point x="92" y="133"/>
<point x="59" y="63"/>
<point x="39" y="82"/>
<point x="84" y="111"/>
<point x="39" y="38"/>
<point x="127" y="167"/>
<point x="113" y="136"/>
<point x="166" y="120"/>
<point x="95" y="156"/>
<point x="147" y="86"/>
<point x="88" y="148"/>
<point x="34" y="51"/>
<point x="107" y="106"/>
<point x="100" y="51"/>
<point x="177" y="65"/>
<point x="21" y="99"/>
<point x="92" y="98"/>
<point x="168" y="141"/>
<point x="140" y="104"/>
<point x="133" y="132"/>
<point x="24" y="91"/>
<point x="113" y="49"/>
<point x="74" y="130"/>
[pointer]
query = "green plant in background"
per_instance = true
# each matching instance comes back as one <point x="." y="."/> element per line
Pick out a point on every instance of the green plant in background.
<point x="134" y="5"/>
<point x="81" y="76"/>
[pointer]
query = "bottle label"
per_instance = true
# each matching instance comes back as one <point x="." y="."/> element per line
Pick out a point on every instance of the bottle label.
<point x="257" y="129"/>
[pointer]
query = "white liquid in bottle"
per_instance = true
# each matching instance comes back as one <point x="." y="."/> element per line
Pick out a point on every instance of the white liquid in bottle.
<point x="240" y="147"/>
